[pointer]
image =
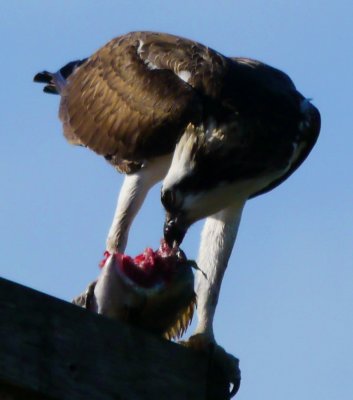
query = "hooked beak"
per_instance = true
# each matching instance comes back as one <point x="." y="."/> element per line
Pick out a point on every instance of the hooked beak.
<point x="175" y="229"/>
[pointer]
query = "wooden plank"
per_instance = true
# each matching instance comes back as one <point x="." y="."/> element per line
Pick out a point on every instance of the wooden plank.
<point x="10" y="392"/>
<point x="51" y="349"/>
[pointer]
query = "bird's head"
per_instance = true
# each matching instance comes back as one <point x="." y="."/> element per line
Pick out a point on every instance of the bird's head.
<point x="192" y="188"/>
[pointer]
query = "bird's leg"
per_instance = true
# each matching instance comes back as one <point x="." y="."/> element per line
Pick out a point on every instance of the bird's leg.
<point x="132" y="194"/>
<point x="217" y="240"/>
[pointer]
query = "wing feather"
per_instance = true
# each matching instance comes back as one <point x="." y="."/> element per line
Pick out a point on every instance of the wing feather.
<point x="128" y="97"/>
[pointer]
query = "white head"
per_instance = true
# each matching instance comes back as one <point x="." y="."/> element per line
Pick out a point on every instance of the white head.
<point x="194" y="187"/>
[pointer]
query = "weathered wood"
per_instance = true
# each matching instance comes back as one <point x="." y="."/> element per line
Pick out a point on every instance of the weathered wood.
<point x="10" y="392"/>
<point x="51" y="349"/>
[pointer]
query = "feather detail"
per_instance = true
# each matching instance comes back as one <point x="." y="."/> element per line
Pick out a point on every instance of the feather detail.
<point x="183" y="321"/>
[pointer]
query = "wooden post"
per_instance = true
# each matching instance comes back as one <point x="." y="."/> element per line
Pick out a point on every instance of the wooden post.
<point x="51" y="349"/>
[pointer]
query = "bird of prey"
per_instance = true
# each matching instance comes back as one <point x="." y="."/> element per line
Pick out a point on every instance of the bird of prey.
<point x="217" y="130"/>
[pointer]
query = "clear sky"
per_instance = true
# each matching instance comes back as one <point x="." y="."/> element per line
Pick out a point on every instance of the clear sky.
<point x="286" y="304"/>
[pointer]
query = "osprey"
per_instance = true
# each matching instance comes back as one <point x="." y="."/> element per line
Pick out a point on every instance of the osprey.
<point x="217" y="130"/>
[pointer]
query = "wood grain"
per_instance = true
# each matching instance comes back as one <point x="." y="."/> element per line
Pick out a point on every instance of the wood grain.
<point x="51" y="349"/>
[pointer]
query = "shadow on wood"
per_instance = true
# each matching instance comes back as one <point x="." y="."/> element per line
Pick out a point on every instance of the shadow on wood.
<point x="51" y="349"/>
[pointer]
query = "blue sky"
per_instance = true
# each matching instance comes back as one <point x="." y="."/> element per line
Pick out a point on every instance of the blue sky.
<point x="286" y="304"/>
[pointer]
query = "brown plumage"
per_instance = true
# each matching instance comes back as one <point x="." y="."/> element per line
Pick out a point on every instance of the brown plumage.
<point x="127" y="102"/>
<point x="217" y="130"/>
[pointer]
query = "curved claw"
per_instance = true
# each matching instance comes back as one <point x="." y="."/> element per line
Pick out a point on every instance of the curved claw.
<point x="230" y="367"/>
<point x="219" y="360"/>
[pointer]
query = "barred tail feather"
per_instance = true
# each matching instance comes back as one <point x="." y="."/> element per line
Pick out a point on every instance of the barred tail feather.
<point x="57" y="80"/>
<point x="48" y="78"/>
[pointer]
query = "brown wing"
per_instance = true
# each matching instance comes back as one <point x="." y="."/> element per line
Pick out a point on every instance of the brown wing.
<point x="127" y="99"/>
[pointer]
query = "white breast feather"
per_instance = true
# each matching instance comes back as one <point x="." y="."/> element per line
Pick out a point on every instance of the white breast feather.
<point x="150" y="64"/>
<point x="183" y="161"/>
<point x="184" y="75"/>
<point x="139" y="49"/>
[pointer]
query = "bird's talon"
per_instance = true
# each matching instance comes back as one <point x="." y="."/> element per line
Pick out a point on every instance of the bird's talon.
<point x="219" y="360"/>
